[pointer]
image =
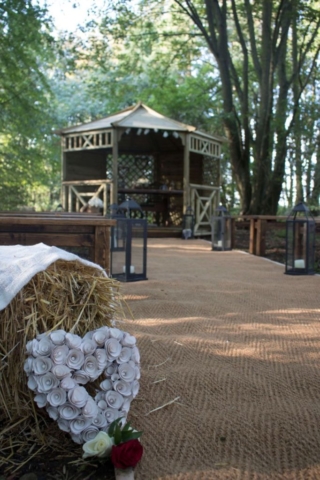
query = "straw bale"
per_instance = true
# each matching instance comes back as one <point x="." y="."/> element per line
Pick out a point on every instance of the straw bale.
<point x="70" y="296"/>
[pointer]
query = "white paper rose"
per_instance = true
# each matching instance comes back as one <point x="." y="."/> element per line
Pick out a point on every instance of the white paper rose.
<point x="44" y="347"/>
<point x="127" y="372"/>
<point x="101" y="356"/>
<point x="75" y="359"/>
<point x="123" y="388"/>
<point x="57" y="397"/>
<point x="59" y="354"/>
<point x="61" y="371"/>
<point x="46" y="382"/>
<point x="113" y="348"/>
<point x="41" y="400"/>
<point x="90" y="410"/>
<point x="99" y="337"/>
<point x="128" y="340"/>
<point x="78" y="396"/>
<point x="114" y="399"/>
<point x="72" y="340"/>
<point x="100" y="446"/>
<point x="77" y="425"/>
<point x="88" y="347"/>
<point x="57" y="337"/>
<point x="89" y="433"/>
<point x="69" y="411"/>
<point x="125" y="355"/>
<point x="42" y="365"/>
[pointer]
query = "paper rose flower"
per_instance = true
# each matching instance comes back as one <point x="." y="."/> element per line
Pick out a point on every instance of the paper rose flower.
<point x="42" y="365"/>
<point x="100" y="446"/>
<point x="46" y="382"/>
<point x="89" y="433"/>
<point x="75" y="359"/>
<point x="43" y="347"/>
<point x="90" y="410"/>
<point x="78" y="396"/>
<point x="69" y="411"/>
<point x="114" y="399"/>
<point x="72" y="340"/>
<point x="126" y="454"/>
<point x="127" y="372"/>
<point x="77" y="425"/>
<point x="113" y="348"/>
<point x="57" y="337"/>
<point x="57" y="397"/>
<point x="59" y="354"/>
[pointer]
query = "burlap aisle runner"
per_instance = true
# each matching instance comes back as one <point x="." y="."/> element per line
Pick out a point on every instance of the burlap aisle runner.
<point x="234" y="344"/>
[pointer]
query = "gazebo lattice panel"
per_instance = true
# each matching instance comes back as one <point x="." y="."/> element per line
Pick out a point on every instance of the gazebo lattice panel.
<point x="211" y="171"/>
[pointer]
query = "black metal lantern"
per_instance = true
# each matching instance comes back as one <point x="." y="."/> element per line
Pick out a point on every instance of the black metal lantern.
<point x="129" y="254"/>
<point x="117" y="234"/>
<point x="300" y="241"/>
<point x="221" y="229"/>
<point x="188" y="224"/>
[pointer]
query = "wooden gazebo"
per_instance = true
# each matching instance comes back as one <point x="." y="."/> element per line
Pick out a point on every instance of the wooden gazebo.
<point x="165" y="165"/>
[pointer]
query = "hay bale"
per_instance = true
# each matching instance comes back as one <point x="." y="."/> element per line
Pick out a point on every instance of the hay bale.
<point x="68" y="295"/>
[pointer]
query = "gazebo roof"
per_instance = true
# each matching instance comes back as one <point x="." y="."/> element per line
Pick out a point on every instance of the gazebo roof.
<point x="137" y="116"/>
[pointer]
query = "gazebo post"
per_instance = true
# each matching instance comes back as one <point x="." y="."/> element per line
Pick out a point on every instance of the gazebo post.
<point x="186" y="173"/>
<point x="64" y="193"/>
<point x="115" y="154"/>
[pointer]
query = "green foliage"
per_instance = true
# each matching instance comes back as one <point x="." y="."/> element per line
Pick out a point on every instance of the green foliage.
<point x="122" y="434"/>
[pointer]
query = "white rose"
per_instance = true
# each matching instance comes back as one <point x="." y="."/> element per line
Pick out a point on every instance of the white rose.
<point x="116" y="333"/>
<point x="113" y="348"/>
<point x="125" y="355"/>
<point x="44" y="347"/>
<point x="59" y="354"/>
<point x="128" y="340"/>
<point x="75" y="359"/>
<point x="135" y="354"/>
<point x="77" y="425"/>
<point x="53" y="412"/>
<point x="101" y="356"/>
<point x="100" y="446"/>
<point x="73" y="341"/>
<point x="57" y="397"/>
<point x="90" y="410"/>
<point x="42" y="365"/>
<point x="57" y="337"/>
<point x="111" y="414"/>
<point x="114" y="399"/>
<point x="100" y="420"/>
<point x="28" y="365"/>
<point x="78" y="397"/>
<point x="88" y="346"/>
<point x="122" y="387"/>
<point x="46" y="382"/>
<point x="67" y="383"/>
<point x="61" y="371"/>
<point x="41" y="400"/>
<point x="89" y="433"/>
<point x="90" y="367"/>
<point x="64" y="425"/>
<point x="81" y="377"/>
<point x="68" y="411"/>
<point x="106" y="385"/>
<point x="99" y="337"/>
<point x="127" y="372"/>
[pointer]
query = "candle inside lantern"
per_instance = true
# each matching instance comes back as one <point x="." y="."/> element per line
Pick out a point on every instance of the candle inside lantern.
<point x="132" y="270"/>
<point x="299" y="263"/>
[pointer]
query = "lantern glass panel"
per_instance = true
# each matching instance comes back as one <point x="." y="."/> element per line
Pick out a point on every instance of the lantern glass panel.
<point x="300" y="242"/>
<point x="221" y="230"/>
<point x="129" y="263"/>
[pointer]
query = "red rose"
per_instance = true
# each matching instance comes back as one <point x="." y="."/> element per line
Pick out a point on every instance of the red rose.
<point x="126" y="454"/>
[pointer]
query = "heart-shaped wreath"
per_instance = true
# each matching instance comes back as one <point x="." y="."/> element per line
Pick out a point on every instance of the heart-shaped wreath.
<point x="60" y="363"/>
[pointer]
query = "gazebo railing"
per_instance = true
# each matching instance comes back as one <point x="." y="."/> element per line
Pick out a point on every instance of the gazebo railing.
<point x="76" y="194"/>
<point x="204" y="199"/>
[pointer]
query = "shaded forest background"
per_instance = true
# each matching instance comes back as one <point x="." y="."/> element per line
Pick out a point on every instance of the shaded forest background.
<point x="247" y="70"/>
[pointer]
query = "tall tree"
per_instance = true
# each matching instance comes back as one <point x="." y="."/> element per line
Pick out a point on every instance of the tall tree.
<point x="252" y="43"/>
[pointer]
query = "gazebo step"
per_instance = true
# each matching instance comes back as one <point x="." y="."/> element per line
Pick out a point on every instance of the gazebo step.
<point x="162" y="232"/>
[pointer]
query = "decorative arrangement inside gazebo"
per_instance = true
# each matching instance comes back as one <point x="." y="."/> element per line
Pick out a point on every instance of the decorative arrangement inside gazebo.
<point x="164" y="165"/>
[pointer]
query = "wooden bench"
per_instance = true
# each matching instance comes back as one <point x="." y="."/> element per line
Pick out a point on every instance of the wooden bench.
<point x="60" y="230"/>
